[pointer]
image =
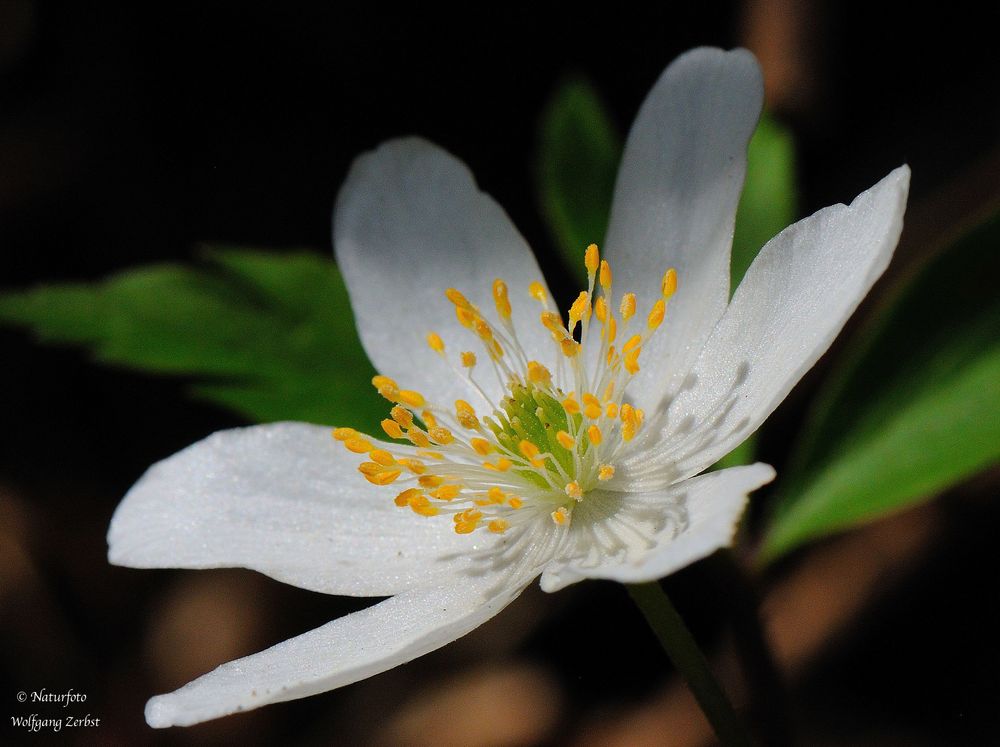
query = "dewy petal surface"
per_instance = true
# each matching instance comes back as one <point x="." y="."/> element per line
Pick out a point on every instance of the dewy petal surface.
<point x="346" y="650"/>
<point x="675" y="203"/>
<point x="286" y="500"/>
<point x="792" y="303"/>
<point x="711" y="505"/>
<point x="409" y="223"/>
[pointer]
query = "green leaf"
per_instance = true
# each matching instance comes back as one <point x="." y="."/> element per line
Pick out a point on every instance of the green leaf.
<point x="916" y="407"/>
<point x="579" y="154"/>
<point x="269" y="335"/>
<point x="770" y="196"/>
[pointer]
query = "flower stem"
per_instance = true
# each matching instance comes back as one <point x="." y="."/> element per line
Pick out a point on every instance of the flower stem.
<point x="683" y="651"/>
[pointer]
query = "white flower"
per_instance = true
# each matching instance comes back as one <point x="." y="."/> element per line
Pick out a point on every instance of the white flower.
<point x="548" y="456"/>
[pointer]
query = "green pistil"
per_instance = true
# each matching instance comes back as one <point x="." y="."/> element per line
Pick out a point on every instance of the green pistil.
<point x="528" y="414"/>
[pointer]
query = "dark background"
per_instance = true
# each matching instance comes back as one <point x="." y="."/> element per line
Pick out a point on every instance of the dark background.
<point x="130" y="134"/>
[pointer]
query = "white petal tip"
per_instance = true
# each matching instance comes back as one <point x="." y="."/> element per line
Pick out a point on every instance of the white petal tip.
<point x="160" y="712"/>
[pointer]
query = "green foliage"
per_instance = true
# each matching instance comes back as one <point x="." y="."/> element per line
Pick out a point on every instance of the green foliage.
<point x="770" y="195"/>
<point x="269" y="335"/>
<point x="915" y="408"/>
<point x="578" y="160"/>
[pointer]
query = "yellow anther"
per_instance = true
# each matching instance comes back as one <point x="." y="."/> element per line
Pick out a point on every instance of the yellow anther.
<point x="640" y="415"/>
<point x="370" y="468"/>
<point x="403" y="499"/>
<point x="565" y="440"/>
<point x="435" y="342"/>
<point x="500" y="298"/>
<point x="669" y="285"/>
<point x="413" y="465"/>
<point x="494" y="349"/>
<point x="468" y="359"/>
<point x="606" y="472"/>
<point x="481" y="446"/>
<point x="531" y="452"/>
<point x="384" y="478"/>
<point x="627" y="308"/>
<point x="496" y="495"/>
<point x="465" y="317"/>
<point x="560" y="516"/>
<point x="358" y="445"/>
<point x="465" y="527"/>
<point x="609" y="391"/>
<point x="498" y="526"/>
<point x="538" y="374"/>
<point x="447" y="492"/>
<point x="441" y="435"/>
<point x="631" y="360"/>
<point x="421" y="505"/>
<point x="383" y="381"/>
<point x="656" y="314"/>
<point x="590" y="399"/>
<point x="605" y="274"/>
<point x="382" y="457"/>
<point x="574" y="491"/>
<point x="579" y="310"/>
<point x="611" y="410"/>
<point x="392" y="429"/>
<point x="514" y="502"/>
<point x="591" y="406"/>
<point x="502" y="465"/>
<point x="431" y="455"/>
<point x="553" y="323"/>
<point x="428" y="417"/>
<point x="402" y="416"/>
<point x="465" y="414"/>
<point x="610" y="357"/>
<point x="460" y="301"/>
<point x="430" y="481"/>
<point x="418" y="438"/>
<point x="612" y="329"/>
<point x="632" y="342"/>
<point x="342" y="434"/>
<point x="594" y="435"/>
<point x="570" y="347"/>
<point x="592" y="259"/>
<point x="484" y="330"/>
<point x="411" y="398"/>
<point x="630" y="422"/>
<point x="627" y="412"/>
<point x="570" y="405"/>
<point x="537" y="291"/>
<point x="601" y="309"/>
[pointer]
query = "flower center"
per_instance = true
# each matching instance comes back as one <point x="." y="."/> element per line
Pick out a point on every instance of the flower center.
<point x="550" y="440"/>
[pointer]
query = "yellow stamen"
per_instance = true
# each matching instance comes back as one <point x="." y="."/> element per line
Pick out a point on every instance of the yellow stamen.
<point x="435" y="342"/>
<point x="500" y="298"/>
<point x="465" y="317"/>
<point x="627" y="308"/>
<point x="560" y="516"/>
<point x="496" y="495"/>
<point x="514" y="502"/>
<point x="592" y="406"/>
<point x="384" y="478"/>
<point x="669" y="285"/>
<point x="481" y="446"/>
<point x="656" y="314"/>
<point x="574" y="491"/>
<point x="342" y="434"/>
<point x="428" y="417"/>
<point x="565" y="440"/>
<point x="411" y="398"/>
<point x="370" y="468"/>
<point x="468" y="359"/>
<point x="552" y="323"/>
<point x="570" y="405"/>
<point x="382" y="457"/>
<point x="460" y="301"/>
<point x="605" y="275"/>
<point x="403" y="499"/>
<point x="402" y="416"/>
<point x="431" y="481"/>
<point x="631" y="360"/>
<point x="579" y="310"/>
<point x="465" y="414"/>
<point x="632" y="342"/>
<point x="611" y="410"/>
<point x="503" y="464"/>
<point x="358" y="445"/>
<point x="595" y="435"/>
<point x="538" y="374"/>
<point x="570" y="347"/>
<point x="447" y="492"/>
<point x="601" y="309"/>
<point x="592" y="259"/>
<point x="498" y="526"/>
<point x="441" y="435"/>
<point x="537" y="292"/>
<point x="413" y="465"/>
<point x="392" y="429"/>
<point x="606" y="472"/>
<point x="418" y="438"/>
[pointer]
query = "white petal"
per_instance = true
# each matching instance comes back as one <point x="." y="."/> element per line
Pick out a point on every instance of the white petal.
<point x="709" y="508"/>
<point x="346" y="650"/>
<point x="675" y="203"/>
<point x="410" y="222"/>
<point x="286" y="500"/>
<point x="799" y="292"/>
